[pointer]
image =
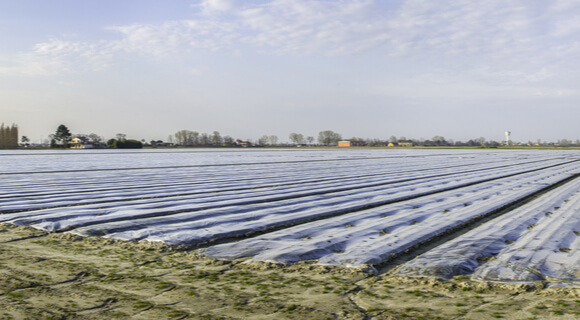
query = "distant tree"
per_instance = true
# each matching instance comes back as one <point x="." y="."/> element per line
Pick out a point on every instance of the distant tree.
<point x="393" y="139"/>
<point x="179" y="137"/>
<point x="472" y="143"/>
<point x="125" y="144"/>
<point x="228" y="141"/>
<point x="95" y="137"/>
<point x="328" y="137"/>
<point x="374" y="142"/>
<point x="263" y="140"/>
<point x="61" y="138"/>
<point x="310" y="139"/>
<point x="296" y="138"/>
<point x="216" y="139"/>
<point x="204" y="139"/>
<point x="112" y="143"/>
<point x="187" y="138"/>
<point x="195" y="140"/>
<point x="439" y="141"/>
<point x="131" y="144"/>
<point x="273" y="140"/>
<point x="8" y="136"/>
<point x="24" y="140"/>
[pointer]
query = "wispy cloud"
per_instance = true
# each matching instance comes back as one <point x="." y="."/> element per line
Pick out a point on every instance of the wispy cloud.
<point x="32" y="65"/>
<point x="210" y="6"/>
<point x="517" y="38"/>
<point x="315" y="27"/>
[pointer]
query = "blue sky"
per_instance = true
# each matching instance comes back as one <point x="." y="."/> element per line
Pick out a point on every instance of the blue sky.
<point x="371" y="69"/>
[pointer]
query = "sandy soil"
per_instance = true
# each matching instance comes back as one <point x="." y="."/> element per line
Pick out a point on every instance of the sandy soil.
<point x="57" y="276"/>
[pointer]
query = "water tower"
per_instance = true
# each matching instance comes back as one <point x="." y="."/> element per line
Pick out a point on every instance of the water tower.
<point x="507" y="138"/>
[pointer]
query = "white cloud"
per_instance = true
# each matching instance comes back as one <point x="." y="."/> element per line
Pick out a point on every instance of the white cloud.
<point x="315" y="27"/>
<point x="209" y="6"/>
<point x="505" y="41"/>
<point x="509" y="76"/>
<point x="555" y="93"/>
<point x="31" y="65"/>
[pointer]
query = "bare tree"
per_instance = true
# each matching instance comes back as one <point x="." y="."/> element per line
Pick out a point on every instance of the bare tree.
<point x="296" y="138"/>
<point x="273" y="140"/>
<point x="182" y="137"/>
<point x="310" y="139"/>
<point x="187" y="138"/>
<point x="263" y="140"/>
<point x="216" y="139"/>
<point x="95" y="137"/>
<point x="328" y="137"/>
<point x="204" y="139"/>
<point x="228" y="141"/>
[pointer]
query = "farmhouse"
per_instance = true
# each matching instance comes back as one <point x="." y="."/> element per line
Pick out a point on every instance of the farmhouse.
<point x="400" y="144"/>
<point x="241" y="143"/>
<point x="84" y="143"/>
<point x="352" y="143"/>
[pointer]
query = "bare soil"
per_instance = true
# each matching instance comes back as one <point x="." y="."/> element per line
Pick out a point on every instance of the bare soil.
<point x="59" y="276"/>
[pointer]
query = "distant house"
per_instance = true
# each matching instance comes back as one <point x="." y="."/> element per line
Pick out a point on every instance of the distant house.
<point x="400" y="144"/>
<point x="352" y="143"/>
<point x="241" y="143"/>
<point x="84" y="143"/>
<point x="79" y="142"/>
<point x="160" y="143"/>
<point x="405" y="144"/>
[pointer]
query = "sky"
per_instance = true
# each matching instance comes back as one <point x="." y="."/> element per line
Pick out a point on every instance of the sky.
<point x="460" y="69"/>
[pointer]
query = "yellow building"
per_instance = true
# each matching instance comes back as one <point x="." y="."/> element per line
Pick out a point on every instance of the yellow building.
<point x="400" y="144"/>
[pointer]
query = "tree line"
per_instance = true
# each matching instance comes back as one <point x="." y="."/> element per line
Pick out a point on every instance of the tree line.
<point x="191" y="138"/>
<point x="62" y="139"/>
<point x="8" y="136"/>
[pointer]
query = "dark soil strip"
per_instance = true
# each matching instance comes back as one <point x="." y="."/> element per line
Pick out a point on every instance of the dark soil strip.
<point x="395" y="260"/>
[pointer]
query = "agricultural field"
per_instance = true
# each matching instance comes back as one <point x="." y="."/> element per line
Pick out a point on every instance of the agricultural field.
<point x="487" y="216"/>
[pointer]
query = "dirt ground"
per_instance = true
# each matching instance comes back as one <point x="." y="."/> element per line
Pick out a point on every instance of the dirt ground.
<point x="59" y="276"/>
